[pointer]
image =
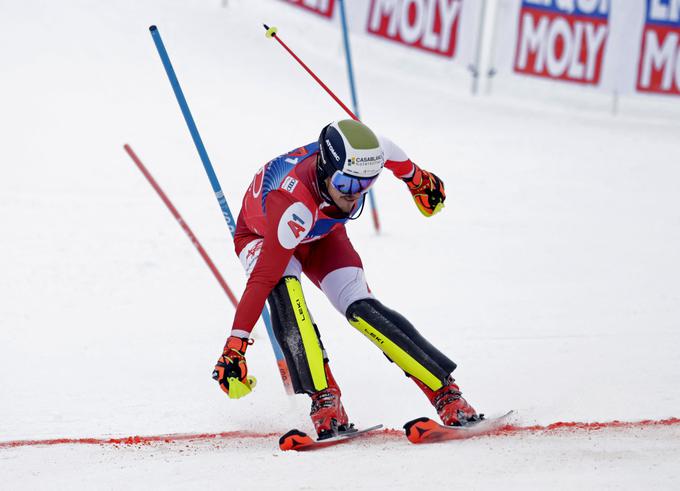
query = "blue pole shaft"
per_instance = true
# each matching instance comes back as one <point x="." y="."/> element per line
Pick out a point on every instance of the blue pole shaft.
<point x="217" y="189"/>
<point x="355" y="102"/>
<point x="348" y="56"/>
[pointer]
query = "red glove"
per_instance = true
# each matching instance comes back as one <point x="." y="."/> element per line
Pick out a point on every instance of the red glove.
<point x="427" y="190"/>
<point x="231" y="370"/>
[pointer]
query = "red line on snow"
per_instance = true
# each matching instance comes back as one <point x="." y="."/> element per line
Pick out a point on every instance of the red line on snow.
<point x="392" y="433"/>
<point x="141" y="440"/>
<point x="577" y="426"/>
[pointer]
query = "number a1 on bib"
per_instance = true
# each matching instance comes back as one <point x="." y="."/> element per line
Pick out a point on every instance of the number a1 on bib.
<point x="296" y="225"/>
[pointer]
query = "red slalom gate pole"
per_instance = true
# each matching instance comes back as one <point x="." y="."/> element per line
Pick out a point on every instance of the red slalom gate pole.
<point x="183" y="224"/>
<point x="271" y="33"/>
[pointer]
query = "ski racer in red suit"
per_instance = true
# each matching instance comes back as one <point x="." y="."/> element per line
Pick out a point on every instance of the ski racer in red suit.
<point x="292" y="221"/>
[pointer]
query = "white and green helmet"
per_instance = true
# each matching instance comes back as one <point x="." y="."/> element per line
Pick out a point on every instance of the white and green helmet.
<point x="350" y="155"/>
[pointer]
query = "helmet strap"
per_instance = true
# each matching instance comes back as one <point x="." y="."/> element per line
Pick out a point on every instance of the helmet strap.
<point x="361" y="210"/>
<point x="321" y="181"/>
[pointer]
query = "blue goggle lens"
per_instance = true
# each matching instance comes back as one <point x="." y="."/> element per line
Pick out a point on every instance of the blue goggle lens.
<point x="351" y="185"/>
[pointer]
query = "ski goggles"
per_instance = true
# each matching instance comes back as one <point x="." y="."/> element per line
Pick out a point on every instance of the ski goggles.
<point x="352" y="185"/>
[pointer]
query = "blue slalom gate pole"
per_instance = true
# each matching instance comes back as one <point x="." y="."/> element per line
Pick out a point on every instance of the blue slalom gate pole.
<point x="355" y="103"/>
<point x="217" y="189"/>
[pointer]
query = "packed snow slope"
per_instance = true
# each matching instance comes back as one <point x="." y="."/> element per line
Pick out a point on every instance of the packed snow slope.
<point x="551" y="277"/>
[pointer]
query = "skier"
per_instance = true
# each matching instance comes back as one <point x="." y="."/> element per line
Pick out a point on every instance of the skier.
<point x="292" y="221"/>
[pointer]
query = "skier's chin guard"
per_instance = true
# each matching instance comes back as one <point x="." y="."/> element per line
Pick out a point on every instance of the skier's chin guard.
<point x="401" y="342"/>
<point x="298" y="337"/>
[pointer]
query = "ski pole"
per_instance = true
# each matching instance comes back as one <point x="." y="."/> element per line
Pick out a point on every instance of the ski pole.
<point x="272" y="33"/>
<point x="217" y="189"/>
<point x="355" y="102"/>
<point x="182" y="223"/>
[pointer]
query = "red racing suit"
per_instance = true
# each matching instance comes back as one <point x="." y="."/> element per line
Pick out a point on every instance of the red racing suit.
<point x="284" y="207"/>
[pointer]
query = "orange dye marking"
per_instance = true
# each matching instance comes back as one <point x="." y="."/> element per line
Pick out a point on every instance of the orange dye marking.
<point x="390" y="433"/>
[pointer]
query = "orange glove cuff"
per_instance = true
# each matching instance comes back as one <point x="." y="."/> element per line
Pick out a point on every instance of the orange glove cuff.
<point x="237" y="344"/>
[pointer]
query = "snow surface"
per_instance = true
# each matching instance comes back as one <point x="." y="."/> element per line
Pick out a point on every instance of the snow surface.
<point x="551" y="277"/>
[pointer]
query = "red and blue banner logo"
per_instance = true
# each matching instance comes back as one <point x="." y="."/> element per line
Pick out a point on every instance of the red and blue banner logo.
<point x="321" y="7"/>
<point x="659" y="64"/>
<point x="428" y="25"/>
<point x="562" y="39"/>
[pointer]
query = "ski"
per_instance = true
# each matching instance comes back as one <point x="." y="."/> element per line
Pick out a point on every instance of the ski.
<point x="300" y="441"/>
<point x="424" y="430"/>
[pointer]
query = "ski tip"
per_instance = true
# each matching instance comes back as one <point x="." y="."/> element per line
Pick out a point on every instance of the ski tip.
<point x="294" y="440"/>
<point x="410" y="424"/>
<point x="416" y="429"/>
<point x="153" y="28"/>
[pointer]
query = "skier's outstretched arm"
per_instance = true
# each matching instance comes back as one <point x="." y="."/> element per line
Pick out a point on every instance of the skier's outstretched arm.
<point x="288" y="222"/>
<point x="425" y="187"/>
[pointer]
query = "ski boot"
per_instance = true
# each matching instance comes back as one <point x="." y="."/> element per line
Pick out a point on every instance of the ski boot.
<point x="450" y="405"/>
<point x="328" y="414"/>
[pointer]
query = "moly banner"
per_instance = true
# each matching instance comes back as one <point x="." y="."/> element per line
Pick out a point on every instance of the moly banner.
<point x="562" y="40"/>
<point x="622" y="46"/>
<point x="428" y="25"/>
<point x="446" y="29"/>
<point x="659" y="61"/>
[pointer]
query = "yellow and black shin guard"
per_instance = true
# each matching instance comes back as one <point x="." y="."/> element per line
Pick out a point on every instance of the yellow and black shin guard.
<point x="401" y="342"/>
<point x="298" y="337"/>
